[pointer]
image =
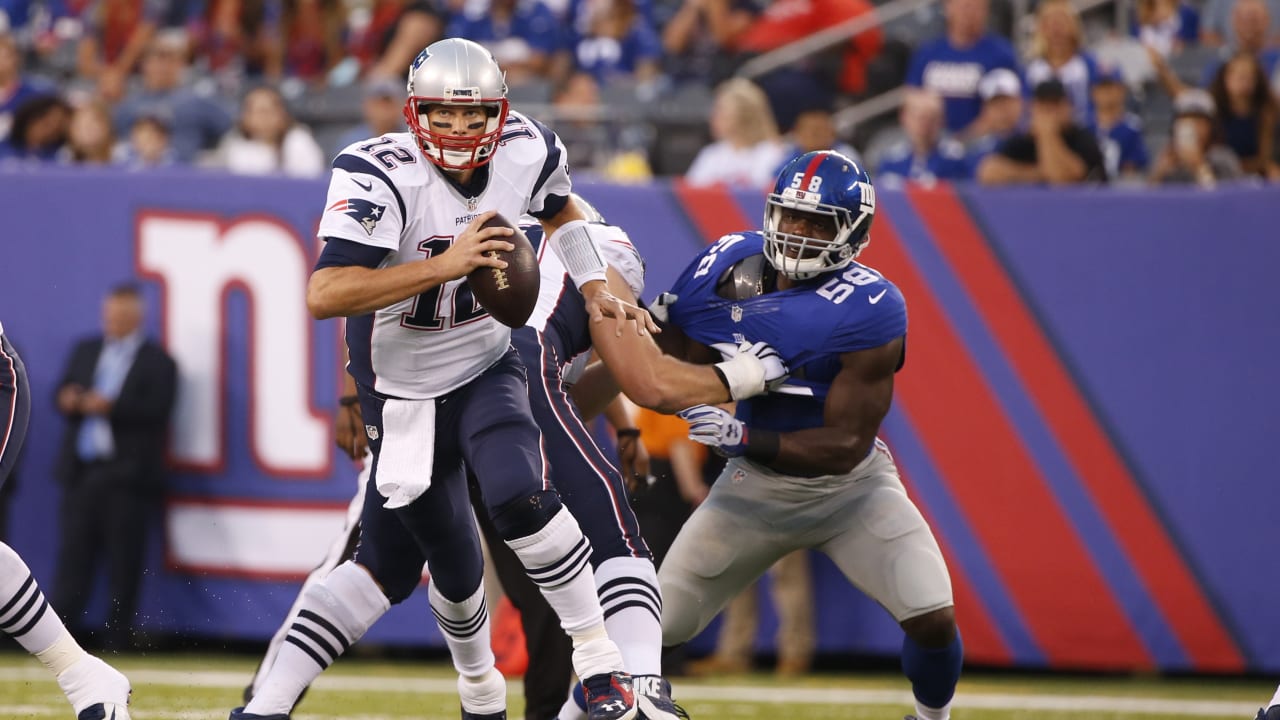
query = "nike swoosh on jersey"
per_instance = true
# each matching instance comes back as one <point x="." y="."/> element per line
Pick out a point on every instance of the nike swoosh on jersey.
<point x="876" y="298"/>
<point x="368" y="186"/>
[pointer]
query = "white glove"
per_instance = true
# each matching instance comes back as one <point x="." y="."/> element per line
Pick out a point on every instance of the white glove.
<point x="661" y="308"/>
<point x="716" y="429"/>
<point x="751" y="368"/>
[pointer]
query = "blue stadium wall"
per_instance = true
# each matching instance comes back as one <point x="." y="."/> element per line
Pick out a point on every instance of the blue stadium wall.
<point x="1087" y="415"/>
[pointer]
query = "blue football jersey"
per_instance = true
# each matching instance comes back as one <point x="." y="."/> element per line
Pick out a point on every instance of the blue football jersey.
<point x="810" y="325"/>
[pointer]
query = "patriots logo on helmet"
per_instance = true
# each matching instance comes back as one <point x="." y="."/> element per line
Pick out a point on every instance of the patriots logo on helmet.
<point x="362" y="211"/>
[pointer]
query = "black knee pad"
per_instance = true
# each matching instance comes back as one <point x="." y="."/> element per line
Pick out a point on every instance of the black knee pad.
<point x="526" y="516"/>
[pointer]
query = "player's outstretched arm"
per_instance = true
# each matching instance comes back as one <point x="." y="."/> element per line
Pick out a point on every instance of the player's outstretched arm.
<point x="661" y="382"/>
<point x="340" y="288"/>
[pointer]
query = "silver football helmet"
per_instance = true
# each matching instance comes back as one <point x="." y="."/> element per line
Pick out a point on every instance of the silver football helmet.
<point x="455" y="71"/>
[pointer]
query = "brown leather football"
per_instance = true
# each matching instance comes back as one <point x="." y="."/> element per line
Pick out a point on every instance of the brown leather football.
<point x="509" y="294"/>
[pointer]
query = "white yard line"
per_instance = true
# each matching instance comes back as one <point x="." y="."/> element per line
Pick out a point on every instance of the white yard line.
<point x="684" y="692"/>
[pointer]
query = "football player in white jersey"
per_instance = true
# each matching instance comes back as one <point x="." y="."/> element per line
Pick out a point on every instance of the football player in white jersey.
<point x="95" y="690"/>
<point x="440" y="385"/>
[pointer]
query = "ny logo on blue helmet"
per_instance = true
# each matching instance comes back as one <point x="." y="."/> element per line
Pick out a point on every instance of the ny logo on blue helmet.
<point x="823" y="183"/>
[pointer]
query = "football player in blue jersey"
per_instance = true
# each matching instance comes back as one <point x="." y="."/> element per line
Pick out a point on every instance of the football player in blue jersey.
<point x="806" y="469"/>
<point x="95" y="690"/>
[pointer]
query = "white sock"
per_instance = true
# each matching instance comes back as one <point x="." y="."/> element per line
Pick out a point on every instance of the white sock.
<point x="25" y="614"/>
<point x="465" y="626"/>
<point x="632" y="604"/>
<point x="572" y="710"/>
<point x="556" y="559"/>
<point x="483" y="695"/>
<point x="928" y="713"/>
<point x="335" y="612"/>
<point x="1275" y="699"/>
<point x="90" y="681"/>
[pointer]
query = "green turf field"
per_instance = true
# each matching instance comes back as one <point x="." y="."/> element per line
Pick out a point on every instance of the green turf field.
<point x="190" y="687"/>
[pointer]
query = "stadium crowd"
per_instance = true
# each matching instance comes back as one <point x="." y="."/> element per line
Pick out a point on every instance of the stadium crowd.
<point x="1184" y="94"/>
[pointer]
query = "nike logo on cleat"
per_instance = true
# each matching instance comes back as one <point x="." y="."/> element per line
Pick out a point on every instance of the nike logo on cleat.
<point x="876" y="298"/>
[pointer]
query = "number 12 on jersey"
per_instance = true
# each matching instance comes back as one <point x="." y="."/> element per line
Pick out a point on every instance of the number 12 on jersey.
<point x="426" y="314"/>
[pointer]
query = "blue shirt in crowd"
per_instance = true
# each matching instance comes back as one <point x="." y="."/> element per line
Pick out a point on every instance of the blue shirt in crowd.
<point x="1123" y="147"/>
<point x="533" y="23"/>
<point x="946" y="162"/>
<point x="954" y="73"/>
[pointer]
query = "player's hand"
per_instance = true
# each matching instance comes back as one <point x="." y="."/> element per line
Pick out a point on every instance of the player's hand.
<point x="601" y="304"/>
<point x="751" y="368"/>
<point x="348" y="431"/>
<point x="470" y="249"/>
<point x="633" y="457"/>
<point x="661" y="308"/>
<point x="716" y="429"/>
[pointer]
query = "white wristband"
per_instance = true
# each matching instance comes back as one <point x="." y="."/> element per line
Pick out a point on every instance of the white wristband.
<point x="574" y="245"/>
<point x="744" y="374"/>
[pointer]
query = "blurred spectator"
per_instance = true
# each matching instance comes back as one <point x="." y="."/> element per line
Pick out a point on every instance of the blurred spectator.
<point x="786" y="21"/>
<point x="268" y="141"/>
<point x="1055" y="151"/>
<point x="1221" y="25"/>
<point x="91" y="139"/>
<point x="1001" y="93"/>
<point x="1195" y="153"/>
<point x="619" y="43"/>
<point x="701" y="39"/>
<point x="814" y="129"/>
<point x="117" y="394"/>
<point x="313" y="31"/>
<point x="383" y="112"/>
<point x="1246" y="111"/>
<point x="1119" y="132"/>
<point x="583" y="135"/>
<point x="746" y="149"/>
<point x="1250" y="19"/>
<point x="15" y="87"/>
<point x="39" y="130"/>
<point x="1167" y="26"/>
<point x="149" y="145"/>
<point x="925" y="157"/>
<point x="1056" y="53"/>
<point x="387" y="37"/>
<point x="239" y="38"/>
<point x="117" y="34"/>
<point x="196" y="122"/>
<point x="791" y="585"/>
<point x="955" y="63"/>
<point x="522" y="34"/>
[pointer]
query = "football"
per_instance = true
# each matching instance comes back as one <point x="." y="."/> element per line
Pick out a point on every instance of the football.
<point x="508" y="294"/>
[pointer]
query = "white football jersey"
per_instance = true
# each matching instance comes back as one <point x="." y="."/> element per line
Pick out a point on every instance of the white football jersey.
<point x="384" y="193"/>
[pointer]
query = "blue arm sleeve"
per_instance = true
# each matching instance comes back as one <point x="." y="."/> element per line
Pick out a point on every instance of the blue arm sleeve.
<point x="342" y="253"/>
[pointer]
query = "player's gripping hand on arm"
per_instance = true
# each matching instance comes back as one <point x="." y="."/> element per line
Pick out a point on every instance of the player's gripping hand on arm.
<point x="601" y="303"/>
<point x="717" y="429"/>
<point x="353" y="289"/>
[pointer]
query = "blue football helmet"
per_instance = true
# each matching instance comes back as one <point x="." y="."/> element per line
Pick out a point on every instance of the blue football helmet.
<point x="823" y="183"/>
